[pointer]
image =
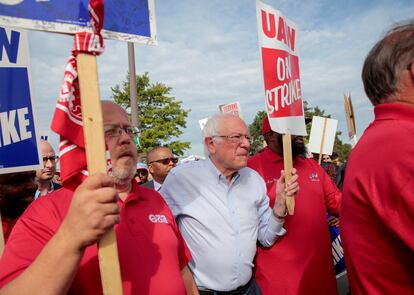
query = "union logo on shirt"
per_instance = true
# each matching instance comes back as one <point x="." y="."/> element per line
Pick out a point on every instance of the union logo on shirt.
<point x="314" y="177"/>
<point x="157" y="218"/>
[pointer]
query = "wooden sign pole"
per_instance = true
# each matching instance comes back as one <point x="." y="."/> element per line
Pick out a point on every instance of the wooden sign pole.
<point x="1" y="238"/>
<point x="133" y="85"/>
<point x="350" y="119"/>
<point x="95" y="156"/>
<point x="323" y="140"/>
<point x="287" y="159"/>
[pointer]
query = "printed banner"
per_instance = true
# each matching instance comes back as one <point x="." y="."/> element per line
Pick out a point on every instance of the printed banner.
<point x="19" y="140"/>
<point x="126" y="20"/>
<point x="280" y="65"/>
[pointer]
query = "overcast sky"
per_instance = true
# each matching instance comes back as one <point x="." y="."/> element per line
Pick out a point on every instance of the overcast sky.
<point x="208" y="53"/>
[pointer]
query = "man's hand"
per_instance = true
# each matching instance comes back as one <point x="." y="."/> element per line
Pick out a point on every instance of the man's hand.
<point x="283" y="191"/>
<point x="92" y="212"/>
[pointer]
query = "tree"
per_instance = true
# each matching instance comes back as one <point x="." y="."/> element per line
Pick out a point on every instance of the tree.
<point x="341" y="149"/>
<point x="256" y="133"/>
<point x="161" y="117"/>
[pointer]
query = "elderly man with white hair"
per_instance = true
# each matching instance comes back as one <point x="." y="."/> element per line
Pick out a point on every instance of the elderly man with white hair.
<point x="222" y="209"/>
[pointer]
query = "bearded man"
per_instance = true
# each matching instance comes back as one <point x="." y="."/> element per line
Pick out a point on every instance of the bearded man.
<point x="301" y="261"/>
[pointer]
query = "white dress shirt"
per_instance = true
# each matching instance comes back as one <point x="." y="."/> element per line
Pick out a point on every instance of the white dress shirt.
<point x="157" y="185"/>
<point x="220" y="222"/>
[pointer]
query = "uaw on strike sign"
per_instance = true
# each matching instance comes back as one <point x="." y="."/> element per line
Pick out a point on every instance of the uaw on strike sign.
<point x="19" y="147"/>
<point x="280" y="65"/>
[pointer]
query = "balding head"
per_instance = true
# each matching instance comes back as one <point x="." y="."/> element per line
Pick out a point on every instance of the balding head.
<point x="160" y="161"/>
<point x="120" y="141"/>
<point x="49" y="162"/>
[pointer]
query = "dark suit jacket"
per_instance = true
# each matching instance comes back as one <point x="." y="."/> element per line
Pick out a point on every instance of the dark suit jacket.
<point x="56" y="185"/>
<point x="149" y="184"/>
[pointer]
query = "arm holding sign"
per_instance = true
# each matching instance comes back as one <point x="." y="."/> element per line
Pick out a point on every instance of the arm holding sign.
<point x="283" y="192"/>
<point x="92" y="211"/>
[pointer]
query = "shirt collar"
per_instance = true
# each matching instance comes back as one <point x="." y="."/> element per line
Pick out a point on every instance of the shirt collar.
<point x="135" y="193"/>
<point x="386" y="111"/>
<point x="217" y="174"/>
<point x="50" y="189"/>
<point x="157" y="185"/>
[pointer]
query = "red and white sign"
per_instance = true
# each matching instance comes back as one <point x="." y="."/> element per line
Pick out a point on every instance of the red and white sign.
<point x="280" y="65"/>
<point x="231" y="108"/>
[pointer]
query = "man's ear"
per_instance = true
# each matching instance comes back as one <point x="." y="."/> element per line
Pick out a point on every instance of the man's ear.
<point x="209" y="143"/>
<point x="150" y="169"/>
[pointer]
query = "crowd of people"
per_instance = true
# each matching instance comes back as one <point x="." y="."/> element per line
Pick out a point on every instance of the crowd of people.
<point x="220" y="225"/>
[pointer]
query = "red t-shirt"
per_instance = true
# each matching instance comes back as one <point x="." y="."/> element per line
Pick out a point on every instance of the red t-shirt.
<point x="301" y="261"/>
<point x="377" y="220"/>
<point x="152" y="252"/>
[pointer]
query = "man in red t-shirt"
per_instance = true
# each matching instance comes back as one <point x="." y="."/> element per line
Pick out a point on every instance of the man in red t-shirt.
<point x="53" y="246"/>
<point x="377" y="223"/>
<point x="301" y="261"/>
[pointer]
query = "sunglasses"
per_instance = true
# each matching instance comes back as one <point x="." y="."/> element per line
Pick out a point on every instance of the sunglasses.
<point x="166" y="161"/>
<point x="52" y="159"/>
<point x="141" y="173"/>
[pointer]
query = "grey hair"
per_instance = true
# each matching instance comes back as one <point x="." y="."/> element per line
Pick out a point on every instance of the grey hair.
<point x="386" y="61"/>
<point x="212" y="128"/>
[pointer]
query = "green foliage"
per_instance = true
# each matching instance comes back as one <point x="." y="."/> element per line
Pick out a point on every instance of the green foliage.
<point x="256" y="133"/>
<point x="161" y="117"/>
<point x="340" y="148"/>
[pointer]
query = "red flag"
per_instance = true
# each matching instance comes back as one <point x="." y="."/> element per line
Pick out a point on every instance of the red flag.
<point x="67" y="119"/>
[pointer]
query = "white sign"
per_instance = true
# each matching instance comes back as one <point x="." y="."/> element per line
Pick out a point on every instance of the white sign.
<point x="231" y="108"/>
<point x="323" y="133"/>
<point x="203" y="123"/>
<point x="280" y="66"/>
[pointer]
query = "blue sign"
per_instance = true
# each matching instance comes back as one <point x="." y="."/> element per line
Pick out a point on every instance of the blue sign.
<point x="337" y="250"/>
<point x="129" y="20"/>
<point x="19" y="149"/>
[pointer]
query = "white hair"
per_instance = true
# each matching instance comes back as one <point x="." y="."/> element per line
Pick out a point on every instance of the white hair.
<point x="212" y="127"/>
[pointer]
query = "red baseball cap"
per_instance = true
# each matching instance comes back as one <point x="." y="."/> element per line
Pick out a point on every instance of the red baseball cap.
<point x="266" y="125"/>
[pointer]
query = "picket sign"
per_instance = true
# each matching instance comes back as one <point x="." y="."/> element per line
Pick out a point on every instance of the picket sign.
<point x="322" y="136"/>
<point x="325" y="121"/>
<point x="231" y="108"/>
<point x="95" y="157"/>
<point x="282" y="88"/>
<point x="350" y="119"/>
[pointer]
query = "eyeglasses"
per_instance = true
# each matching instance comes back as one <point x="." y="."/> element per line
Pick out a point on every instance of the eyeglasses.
<point x="116" y="131"/>
<point x="52" y="159"/>
<point x="141" y="173"/>
<point x="166" y="161"/>
<point x="238" y="138"/>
